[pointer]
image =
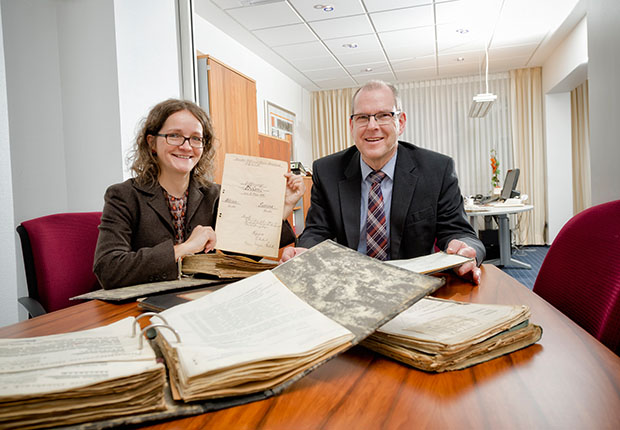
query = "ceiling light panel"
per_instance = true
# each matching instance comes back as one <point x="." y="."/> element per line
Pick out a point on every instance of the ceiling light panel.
<point x="265" y="15"/>
<point x="380" y="5"/>
<point x="341" y="8"/>
<point x="341" y="27"/>
<point x="285" y="35"/>
<point x="403" y="18"/>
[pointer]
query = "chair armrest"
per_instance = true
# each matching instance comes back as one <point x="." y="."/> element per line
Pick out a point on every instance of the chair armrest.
<point x="33" y="307"/>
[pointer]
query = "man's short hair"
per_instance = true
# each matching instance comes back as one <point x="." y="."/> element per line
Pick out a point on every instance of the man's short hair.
<point x="375" y="85"/>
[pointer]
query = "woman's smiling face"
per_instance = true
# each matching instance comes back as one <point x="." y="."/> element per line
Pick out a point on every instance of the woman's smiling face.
<point x="177" y="159"/>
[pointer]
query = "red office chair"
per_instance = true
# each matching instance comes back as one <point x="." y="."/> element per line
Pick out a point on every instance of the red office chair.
<point x="580" y="275"/>
<point x="58" y="257"/>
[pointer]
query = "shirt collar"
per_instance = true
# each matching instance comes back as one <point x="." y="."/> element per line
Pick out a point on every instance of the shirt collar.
<point x="388" y="169"/>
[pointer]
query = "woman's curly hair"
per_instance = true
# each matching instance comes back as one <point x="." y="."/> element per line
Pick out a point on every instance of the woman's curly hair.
<point x="144" y="160"/>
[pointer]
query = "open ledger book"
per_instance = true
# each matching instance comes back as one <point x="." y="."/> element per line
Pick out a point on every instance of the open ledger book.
<point x="438" y="335"/>
<point x="244" y="342"/>
<point x="264" y="332"/>
<point x="77" y="377"/>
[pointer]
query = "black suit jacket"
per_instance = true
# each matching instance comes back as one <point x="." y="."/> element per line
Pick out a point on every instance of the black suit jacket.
<point x="427" y="206"/>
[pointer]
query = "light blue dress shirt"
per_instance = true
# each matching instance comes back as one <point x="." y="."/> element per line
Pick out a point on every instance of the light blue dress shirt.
<point x="386" y="190"/>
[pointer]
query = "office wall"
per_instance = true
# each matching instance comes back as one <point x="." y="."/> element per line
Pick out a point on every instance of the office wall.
<point x="147" y="60"/>
<point x="604" y="88"/>
<point x="564" y="70"/>
<point x="8" y="313"/>
<point x="271" y="84"/>
<point x="79" y="76"/>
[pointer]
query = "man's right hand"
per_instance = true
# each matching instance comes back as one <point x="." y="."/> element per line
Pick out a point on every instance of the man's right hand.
<point x="291" y="252"/>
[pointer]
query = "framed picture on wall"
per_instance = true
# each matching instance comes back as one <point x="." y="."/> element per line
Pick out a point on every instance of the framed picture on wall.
<point x="280" y="123"/>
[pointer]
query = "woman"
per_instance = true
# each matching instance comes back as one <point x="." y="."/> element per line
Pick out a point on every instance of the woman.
<point x="169" y="209"/>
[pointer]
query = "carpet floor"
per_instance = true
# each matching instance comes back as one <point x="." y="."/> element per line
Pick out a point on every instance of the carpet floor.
<point x="532" y="255"/>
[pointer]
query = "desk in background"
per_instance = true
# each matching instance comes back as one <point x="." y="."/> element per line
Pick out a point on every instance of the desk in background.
<point x="500" y="213"/>
<point x="567" y="380"/>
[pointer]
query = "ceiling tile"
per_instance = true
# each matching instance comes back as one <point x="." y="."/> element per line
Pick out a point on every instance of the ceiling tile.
<point x="414" y="63"/>
<point x="228" y="4"/>
<point x="362" y="79"/>
<point x="301" y="50"/>
<point x="380" y="67"/>
<point x="314" y="63"/>
<point x="265" y="15"/>
<point x="341" y="8"/>
<point x="285" y="35"/>
<point x="361" y="58"/>
<point x="403" y="18"/>
<point x="512" y="51"/>
<point x="336" y="83"/>
<point x="403" y="44"/>
<point x="341" y="27"/>
<point x="380" y="5"/>
<point x="334" y="73"/>
<point x="417" y="74"/>
<point x="365" y="43"/>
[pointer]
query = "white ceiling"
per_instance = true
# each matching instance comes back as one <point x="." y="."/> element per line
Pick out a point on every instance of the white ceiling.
<point x="395" y="40"/>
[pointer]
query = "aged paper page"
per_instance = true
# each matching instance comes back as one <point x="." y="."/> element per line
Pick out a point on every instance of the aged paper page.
<point x="450" y="322"/>
<point x="249" y="219"/>
<point x="431" y="263"/>
<point x="253" y="319"/>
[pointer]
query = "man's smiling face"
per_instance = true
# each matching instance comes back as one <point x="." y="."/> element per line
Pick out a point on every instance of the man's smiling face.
<point x="377" y="143"/>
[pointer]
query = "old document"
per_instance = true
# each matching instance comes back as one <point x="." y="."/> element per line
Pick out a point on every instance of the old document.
<point x="249" y="219"/>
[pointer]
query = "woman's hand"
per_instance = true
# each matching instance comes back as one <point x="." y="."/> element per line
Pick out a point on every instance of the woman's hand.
<point x="295" y="189"/>
<point x="201" y="239"/>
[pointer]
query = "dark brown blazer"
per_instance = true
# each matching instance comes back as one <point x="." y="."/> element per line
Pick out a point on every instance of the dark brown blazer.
<point x="427" y="206"/>
<point x="136" y="235"/>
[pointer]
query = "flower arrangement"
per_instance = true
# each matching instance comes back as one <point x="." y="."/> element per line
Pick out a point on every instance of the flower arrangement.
<point x="494" y="169"/>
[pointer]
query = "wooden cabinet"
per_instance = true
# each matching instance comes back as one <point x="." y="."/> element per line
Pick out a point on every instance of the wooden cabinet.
<point x="232" y="108"/>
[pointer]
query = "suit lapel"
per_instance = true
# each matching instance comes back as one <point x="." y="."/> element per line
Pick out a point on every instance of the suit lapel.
<point x="194" y="198"/>
<point x="404" y="185"/>
<point x="349" y="189"/>
<point x="157" y="202"/>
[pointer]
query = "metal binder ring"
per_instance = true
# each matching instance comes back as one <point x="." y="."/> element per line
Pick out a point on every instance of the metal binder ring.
<point x="146" y="314"/>
<point x="176" y="334"/>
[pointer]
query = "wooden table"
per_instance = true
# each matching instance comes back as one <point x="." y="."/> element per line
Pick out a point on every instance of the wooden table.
<point x="568" y="380"/>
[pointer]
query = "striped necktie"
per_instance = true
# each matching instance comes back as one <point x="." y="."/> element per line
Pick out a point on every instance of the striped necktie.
<point x="376" y="228"/>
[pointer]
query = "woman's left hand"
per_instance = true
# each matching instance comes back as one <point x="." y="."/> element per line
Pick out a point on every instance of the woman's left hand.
<point x="295" y="189"/>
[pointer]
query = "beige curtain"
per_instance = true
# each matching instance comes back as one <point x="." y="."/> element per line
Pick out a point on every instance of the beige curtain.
<point x="330" y="121"/>
<point x="580" y="121"/>
<point x="529" y="151"/>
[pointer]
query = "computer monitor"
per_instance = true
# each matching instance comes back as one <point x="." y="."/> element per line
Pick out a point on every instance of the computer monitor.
<point x="510" y="184"/>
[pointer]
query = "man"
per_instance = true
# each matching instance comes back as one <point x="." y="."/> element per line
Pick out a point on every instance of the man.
<point x="415" y="201"/>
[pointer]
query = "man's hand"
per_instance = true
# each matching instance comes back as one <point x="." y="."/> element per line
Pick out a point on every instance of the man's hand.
<point x="467" y="270"/>
<point x="295" y="189"/>
<point x="291" y="252"/>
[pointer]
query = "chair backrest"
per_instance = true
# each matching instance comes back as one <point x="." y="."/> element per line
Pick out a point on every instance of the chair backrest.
<point x="58" y="256"/>
<point x="580" y="275"/>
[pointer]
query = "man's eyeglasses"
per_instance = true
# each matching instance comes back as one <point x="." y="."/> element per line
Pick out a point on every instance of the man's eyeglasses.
<point x="176" y="139"/>
<point x="382" y="118"/>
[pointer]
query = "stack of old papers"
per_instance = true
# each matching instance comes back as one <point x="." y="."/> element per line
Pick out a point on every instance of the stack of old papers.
<point x="223" y="266"/>
<point x="275" y="335"/>
<point x="78" y="377"/>
<point x="438" y="335"/>
<point x="260" y="334"/>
